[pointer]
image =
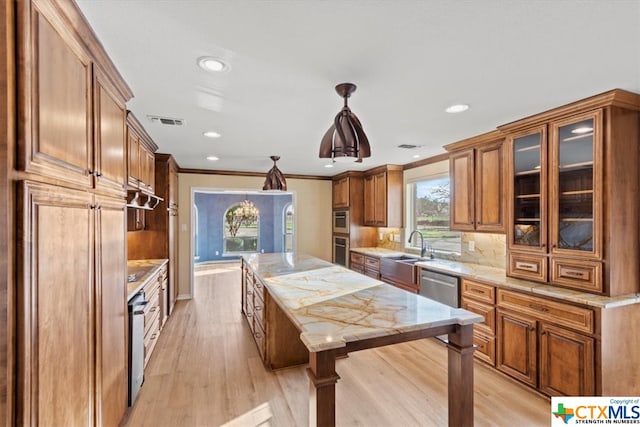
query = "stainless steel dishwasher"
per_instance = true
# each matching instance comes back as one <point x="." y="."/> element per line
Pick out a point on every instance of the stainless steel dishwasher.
<point x="440" y="287"/>
<point x="136" y="345"/>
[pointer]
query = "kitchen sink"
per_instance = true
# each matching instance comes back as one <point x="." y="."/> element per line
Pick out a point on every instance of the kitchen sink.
<point x="400" y="269"/>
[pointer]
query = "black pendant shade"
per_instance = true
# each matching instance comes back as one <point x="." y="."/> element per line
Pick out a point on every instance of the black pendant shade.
<point x="275" y="178"/>
<point x="345" y="139"/>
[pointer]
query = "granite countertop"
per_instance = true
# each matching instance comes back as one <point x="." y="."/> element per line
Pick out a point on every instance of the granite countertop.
<point x="332" y="305"/>
<point x="498" y="277"/>
<point x="143" y="269"/>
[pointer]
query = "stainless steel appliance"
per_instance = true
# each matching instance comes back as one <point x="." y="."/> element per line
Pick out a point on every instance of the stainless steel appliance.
<point x="341" y="221"/>
<point x="341" y="250"/>
<point x="440" y="287"/>
<point x="136" y="345"/>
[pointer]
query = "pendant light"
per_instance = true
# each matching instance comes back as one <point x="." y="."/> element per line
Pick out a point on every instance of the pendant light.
<point x="345" y="140"/>
<point x="275" y="178"/>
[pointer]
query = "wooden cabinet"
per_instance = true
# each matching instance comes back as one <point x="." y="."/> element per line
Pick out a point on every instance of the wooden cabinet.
<point x="76" y="130"/>
<point x="364" y="264"/>
<point x="383" y="197"/>
<point x="480" y="298"/>
<point x="112" y="313"/>
<point x="546" y="344"/>
<point x="158" y="237"/>
<point x="73" y="252"/>
<point x="277" y="338"/>
<point x="341" y="192"/>
<point x="141" y="158"/>
<point x="477" y="184"/>
<point x="163" y="280"/>
<point x="71" y="361"/>
<point x="110" y="142"/>
<point x="152" y="315"/>
<point x="569" y="171"/>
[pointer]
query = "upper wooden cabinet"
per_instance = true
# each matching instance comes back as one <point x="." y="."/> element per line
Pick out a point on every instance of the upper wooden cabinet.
<point x="72" y="113"/>
<point x="383" y="197"/>
<point x="477" y="184"/>
<point x="341" y="192"/>
<point x="572" y="195"/>
<point x="141" y="158"/>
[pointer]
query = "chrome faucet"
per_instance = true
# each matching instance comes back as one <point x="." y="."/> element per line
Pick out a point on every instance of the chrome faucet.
<point x="422" y="247"/>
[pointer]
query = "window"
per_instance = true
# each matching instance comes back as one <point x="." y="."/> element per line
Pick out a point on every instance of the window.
<point x="428" y="212"/>
<point x="288" y="228"/>
<point x="241" y="223"/>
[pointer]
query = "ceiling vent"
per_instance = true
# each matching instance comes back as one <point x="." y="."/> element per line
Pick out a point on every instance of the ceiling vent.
<point x="166" y="121"/>
<point x="409" y="146"/>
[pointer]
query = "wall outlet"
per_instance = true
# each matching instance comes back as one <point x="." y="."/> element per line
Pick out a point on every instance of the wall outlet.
<point x="184" y="227"/>
<point x="261" y="251"/>
<point x="472" y="245"/>
<point x="381" y="236"/>
<point x="396" y="237"/>
<point x="217" y="253"/>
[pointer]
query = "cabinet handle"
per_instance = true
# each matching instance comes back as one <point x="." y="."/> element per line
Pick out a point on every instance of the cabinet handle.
<point x="530" y="328"/>
<point x="258" y="308"/>
<point x="249" y="293"/>
<point x="258" y="335"/>
<point x="527" y="266"/>
<point x="258" y="285"/>
<point x="477" y="291"/>
<point x="249" y="314"/>
<point x="575" y="273"/>
<point x="98" y="174"/>
<point x="539" y="308"/>
<point x="154" y="336"/>
<point x="154" y="308"/>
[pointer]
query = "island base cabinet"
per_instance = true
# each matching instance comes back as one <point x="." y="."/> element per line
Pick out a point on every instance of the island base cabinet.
<point x="566" y="362"/>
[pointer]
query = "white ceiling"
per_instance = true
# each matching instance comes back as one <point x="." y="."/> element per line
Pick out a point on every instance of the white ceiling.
<point x="410" y="59"/>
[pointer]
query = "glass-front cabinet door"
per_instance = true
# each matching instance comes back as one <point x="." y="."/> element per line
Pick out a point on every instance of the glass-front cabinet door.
<point x="527" y="165"/>
<point x="575" y="185"/>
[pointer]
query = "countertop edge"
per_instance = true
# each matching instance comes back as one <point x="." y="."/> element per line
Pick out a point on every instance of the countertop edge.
<point x="154" y="264"/>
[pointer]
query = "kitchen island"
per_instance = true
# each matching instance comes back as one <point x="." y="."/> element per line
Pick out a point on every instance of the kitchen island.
<point x="337" y="311"/>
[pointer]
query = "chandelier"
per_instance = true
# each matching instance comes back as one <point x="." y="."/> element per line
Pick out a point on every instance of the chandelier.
<point x="246" y="213"/>
<point x="345" y="140"/>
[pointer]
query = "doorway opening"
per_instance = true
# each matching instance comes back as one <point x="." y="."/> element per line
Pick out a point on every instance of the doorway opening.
<point x="227" y="224"/>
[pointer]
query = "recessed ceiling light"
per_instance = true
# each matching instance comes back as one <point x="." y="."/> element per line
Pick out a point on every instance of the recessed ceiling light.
<point x="328" y="165"/>
<point x="212" y="134"/>
<point x="582" y="130"/>
<point x="212" y="158"/>
<point x="209" y="63"/>
<point x="416" y="156"/>
<point x="457" y="108"/>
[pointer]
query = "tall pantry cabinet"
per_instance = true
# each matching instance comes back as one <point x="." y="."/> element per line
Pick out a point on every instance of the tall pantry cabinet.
<point x="71" y="354"/>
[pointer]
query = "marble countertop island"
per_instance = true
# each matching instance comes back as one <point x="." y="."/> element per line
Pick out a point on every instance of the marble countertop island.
<point x="338" y="311"/>
<point x="332" y="305"/>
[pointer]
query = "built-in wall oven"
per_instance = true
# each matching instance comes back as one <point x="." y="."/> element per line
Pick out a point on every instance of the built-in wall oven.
<point x="341" y="250"/>
<point x="341" y="221"/>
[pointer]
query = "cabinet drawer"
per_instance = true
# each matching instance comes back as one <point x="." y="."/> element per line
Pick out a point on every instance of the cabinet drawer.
<point x="578" y="318"/>
<point x="585" y="275"/>
<point x="357" y="267"/>
<point x="485" y="347"/>
<point x="258" y="335"/>
<point x="151" y="311"/>
<point x="479" y="291"/>
<point x="485" y="310"/>
<point x="258" y="290"/>
<point x="372" y="273"/>
<point x="151" y="339"/>
<point x="356" y="258"/>
<point x="151" y="286"/>
<point x="527" y="266"/>
<point x="249" y="311"/>
<point x="258" y="311"/>
<point x="372" y="263"/>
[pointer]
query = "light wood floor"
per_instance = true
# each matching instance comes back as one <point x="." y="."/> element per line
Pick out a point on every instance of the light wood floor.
<point x="205" y="371"/>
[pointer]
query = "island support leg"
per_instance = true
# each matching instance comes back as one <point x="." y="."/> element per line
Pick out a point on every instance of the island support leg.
<point x="461" y="377"/>
<point x="322" y="389"/>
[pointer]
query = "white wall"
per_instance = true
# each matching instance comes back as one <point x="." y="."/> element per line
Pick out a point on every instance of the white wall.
<point x="312" y="204"/>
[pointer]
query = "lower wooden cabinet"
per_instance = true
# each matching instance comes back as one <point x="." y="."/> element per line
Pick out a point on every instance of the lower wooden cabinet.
<point x="554" y="359"/>
<point x="480" y="298"/>
<point x="566" y="362"/>
<point x="364" y="264"/>
<point x="277" y="338"/>
<point x="71" y="306"/>
<point x="517" y="346"/>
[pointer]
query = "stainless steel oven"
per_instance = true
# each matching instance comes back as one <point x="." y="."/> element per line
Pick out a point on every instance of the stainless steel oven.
<point x="341" y="221"/>
<point x="341" y="250"/>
